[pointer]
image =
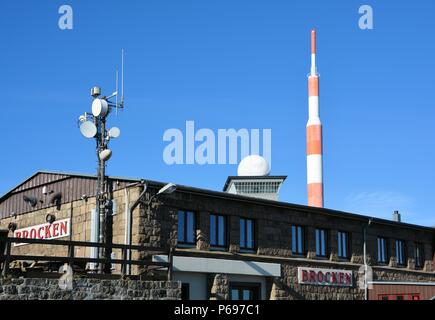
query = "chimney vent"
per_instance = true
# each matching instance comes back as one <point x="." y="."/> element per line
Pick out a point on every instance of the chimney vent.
<point x="397" y="217"/>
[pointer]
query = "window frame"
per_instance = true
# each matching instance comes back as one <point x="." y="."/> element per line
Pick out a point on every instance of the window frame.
<point x="402" y="252"/>
<point x="385" y="250"/>
<point x="419" y="263"/>
<point x="254" y="232"/>
<point x="240" y="286"/>
<point x="326" y="244"/>
<point x="298" y="236"/>
<point x="184" y="241"/>
<point x="347" y="245"/>
<point x="225" y="236"/>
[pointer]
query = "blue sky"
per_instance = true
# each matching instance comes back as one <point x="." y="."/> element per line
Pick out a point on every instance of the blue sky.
<point x="229" y="64"/>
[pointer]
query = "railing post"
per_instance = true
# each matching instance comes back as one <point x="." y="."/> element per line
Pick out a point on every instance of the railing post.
<point x="170" y="261"/>
<point x="71" y="250"/>
<point x="7" y="254"/>
<point x="124" y="260"/>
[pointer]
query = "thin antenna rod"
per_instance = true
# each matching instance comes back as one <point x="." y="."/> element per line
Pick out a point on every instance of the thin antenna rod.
<point x="116" y="99"/>
<point x="122" y="77"/>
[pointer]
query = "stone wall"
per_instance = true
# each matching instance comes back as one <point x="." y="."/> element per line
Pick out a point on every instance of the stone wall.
<point x="89" y="289"/>
<point x="79" y="212"/>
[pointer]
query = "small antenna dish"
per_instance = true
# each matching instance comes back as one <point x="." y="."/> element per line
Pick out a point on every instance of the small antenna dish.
<point x="114" y="132"/>
<point x="105" y="154"/>
<point x="88" y="129"/>
<point x="100" y="107"/>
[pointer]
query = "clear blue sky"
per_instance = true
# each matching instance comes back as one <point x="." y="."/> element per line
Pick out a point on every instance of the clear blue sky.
<point x="229" y="64"/>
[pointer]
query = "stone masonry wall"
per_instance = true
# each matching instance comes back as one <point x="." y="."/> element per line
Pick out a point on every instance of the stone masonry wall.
<point x="89" y="289"/>
<point x="80" y="213"/>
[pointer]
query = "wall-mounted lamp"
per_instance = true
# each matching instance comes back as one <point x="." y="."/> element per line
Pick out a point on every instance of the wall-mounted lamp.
<point x="167" y="189"/>
<point x="56" y="199"/>
<point x="50" y="218"/>
<point x="12" y="226"/>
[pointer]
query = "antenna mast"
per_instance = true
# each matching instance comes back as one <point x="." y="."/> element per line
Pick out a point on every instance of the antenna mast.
<point x="93" y="125"/>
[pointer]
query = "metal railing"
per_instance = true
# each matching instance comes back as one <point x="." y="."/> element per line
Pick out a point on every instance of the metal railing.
<point x="6" y="257"/>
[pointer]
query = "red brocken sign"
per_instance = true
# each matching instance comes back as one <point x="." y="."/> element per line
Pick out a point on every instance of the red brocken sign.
<point x="57" y="229"/>
<point x="325" y="277"/>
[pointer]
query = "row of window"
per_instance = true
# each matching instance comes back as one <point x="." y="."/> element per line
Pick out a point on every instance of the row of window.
<point x="218" y="239"/>
<point x="401" y="257"/>
<point x="322" y="245"/>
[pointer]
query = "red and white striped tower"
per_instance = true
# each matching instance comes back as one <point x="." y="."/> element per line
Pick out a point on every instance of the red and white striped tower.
<point x="314" y="134"/>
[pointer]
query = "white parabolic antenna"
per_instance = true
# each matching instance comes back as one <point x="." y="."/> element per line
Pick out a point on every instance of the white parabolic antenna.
<point x="114" y="132"/>
<point x="105" y="154"/>
<point x="253" y="165"/>
<point x="88" y="129"/>
<point x="100" y="107"/>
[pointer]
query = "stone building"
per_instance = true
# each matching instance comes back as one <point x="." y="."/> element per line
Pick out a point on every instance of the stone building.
<point x="228" y="245"/>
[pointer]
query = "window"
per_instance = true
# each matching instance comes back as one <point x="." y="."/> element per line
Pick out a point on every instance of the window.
<point x="406" y="296"/>
<point x="298" y="236"/>
<point x="217" y="231"/>
<point x="382" y="250"/>
<point x="343" y="245"/>
<point x="247" y="234"/>
<point x="321" y="243"/>
<point x="186" y="227"/>
<point x="185" y="291"/>
<point x="419" y="255"/>
<point x="245" y="291"/>
<point x="400" y="252"/>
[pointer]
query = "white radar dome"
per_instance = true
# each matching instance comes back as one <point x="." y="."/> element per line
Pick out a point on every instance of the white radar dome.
<point x="253" y="165"/>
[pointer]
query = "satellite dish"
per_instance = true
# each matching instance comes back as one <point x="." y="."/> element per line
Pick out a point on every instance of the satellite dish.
<point x="114" y="132"/>
<point x="100" y="107"/>
<point x="88" y="129"/>
<point x="105" y="154"/>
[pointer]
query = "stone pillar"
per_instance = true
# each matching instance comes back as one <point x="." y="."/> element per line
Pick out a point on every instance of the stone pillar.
<point x="429" y="257"/>
<point x="371" y="248"/>
<point x="274" y="292"/>
<point x="310" y="241"/>
<point x="220" y="289"/>
<point x="357" y="247"/>
<point x="203" y="231"/>
<point x="392" y="249"/>
<point x="429" y="266"/>
<point x="409" y="249"/>
<point x="234" y="233"/>
<point x="333" y="245"/>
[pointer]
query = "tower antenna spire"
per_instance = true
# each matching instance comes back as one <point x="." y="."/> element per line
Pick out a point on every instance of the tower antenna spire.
<point x="314" y="134"/>
<point x="313" y="53"/>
